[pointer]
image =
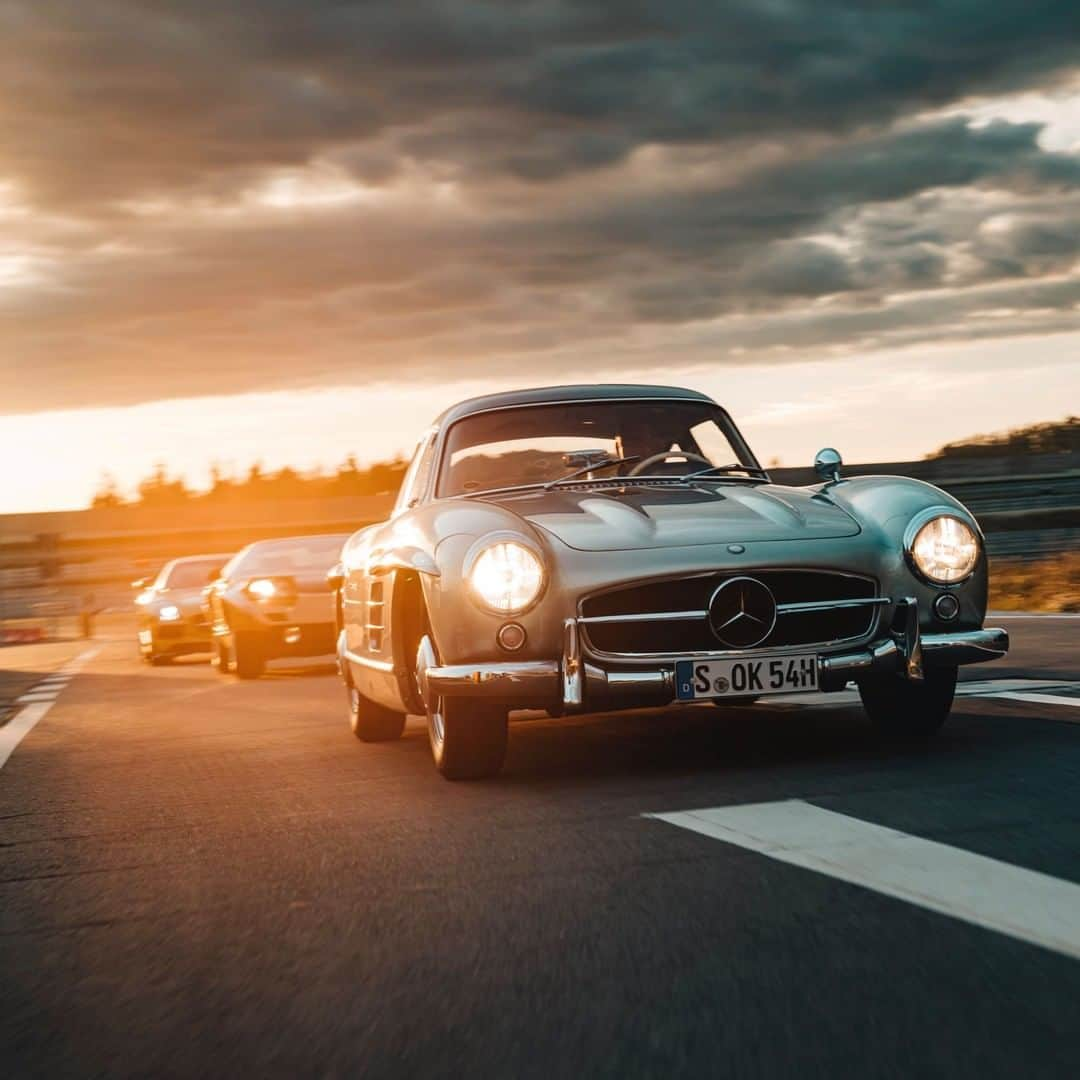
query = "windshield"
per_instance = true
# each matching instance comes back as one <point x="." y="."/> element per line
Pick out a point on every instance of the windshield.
<point x="192" y="573"/>
<point x="302" y="555"/>
<point x="541" y="443"/>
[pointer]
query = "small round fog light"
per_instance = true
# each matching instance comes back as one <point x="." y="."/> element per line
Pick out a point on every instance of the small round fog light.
<point x="946" y="607"/>
<point x="511" y="636"/>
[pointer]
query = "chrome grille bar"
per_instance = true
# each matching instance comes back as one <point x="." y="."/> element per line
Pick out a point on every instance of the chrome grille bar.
<point x="832" y="605"/>
<point x="781" y="609"/>
<point x="646" y="616"/>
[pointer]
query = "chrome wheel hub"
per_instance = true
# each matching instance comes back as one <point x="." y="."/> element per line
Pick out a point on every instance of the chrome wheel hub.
<point x="425" y="660"/>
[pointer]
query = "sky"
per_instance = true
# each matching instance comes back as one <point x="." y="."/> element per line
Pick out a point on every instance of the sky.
<point x="287" y="232"/>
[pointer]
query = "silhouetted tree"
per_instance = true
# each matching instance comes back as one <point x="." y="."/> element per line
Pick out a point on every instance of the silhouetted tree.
<point x="107" y="496"/>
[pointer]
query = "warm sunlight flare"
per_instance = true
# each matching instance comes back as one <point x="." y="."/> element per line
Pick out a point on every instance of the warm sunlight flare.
<point x="539" y="538"/>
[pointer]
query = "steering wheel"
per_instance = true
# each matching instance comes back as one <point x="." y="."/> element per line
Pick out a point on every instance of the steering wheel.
<point x="666" y="455"/>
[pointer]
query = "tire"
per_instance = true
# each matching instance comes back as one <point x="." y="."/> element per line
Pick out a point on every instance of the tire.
<point x="902" y="708"/>
<point x="371" y="722"/>
<point x="468" y="738"/>
<point x="221" y="657"/>
<point x="249" y="656"/>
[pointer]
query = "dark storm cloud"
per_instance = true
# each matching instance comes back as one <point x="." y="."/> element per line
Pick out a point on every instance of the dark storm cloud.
<point x="541" y="177"/>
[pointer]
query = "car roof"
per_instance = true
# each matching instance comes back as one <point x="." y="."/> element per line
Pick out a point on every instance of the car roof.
<point x="554" y="395"/>
<point x="222" y="556"/>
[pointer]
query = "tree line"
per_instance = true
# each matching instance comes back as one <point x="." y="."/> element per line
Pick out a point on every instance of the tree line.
<point x="160" y="489"/>
<point x="1055" y="437"/>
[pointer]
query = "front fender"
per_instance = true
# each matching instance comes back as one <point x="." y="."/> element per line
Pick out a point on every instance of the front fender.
<point x="885" y="506"/>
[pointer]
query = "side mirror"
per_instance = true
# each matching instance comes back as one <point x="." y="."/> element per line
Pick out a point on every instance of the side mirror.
<point x="827" y="464"/>
<point x="335" y="577"/>
<point x="140" y="584"/>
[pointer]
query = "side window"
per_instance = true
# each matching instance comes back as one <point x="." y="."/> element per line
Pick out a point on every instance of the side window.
<point x="416" y="477"/>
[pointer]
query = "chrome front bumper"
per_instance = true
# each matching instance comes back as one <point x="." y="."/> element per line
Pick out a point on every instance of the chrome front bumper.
<point x="572" y="683"/>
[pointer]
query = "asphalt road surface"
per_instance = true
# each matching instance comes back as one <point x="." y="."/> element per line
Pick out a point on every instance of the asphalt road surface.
<point x="205" y="877"/>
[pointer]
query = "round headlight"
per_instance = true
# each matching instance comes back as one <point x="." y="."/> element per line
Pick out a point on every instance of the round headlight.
<point x="506" y="576"/>
<point x="945" y="549"/>
<point x="262" y="589"/>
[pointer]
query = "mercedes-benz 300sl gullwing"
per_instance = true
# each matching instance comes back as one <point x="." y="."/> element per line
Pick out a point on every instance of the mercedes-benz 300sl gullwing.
<point x="600" y="547"/>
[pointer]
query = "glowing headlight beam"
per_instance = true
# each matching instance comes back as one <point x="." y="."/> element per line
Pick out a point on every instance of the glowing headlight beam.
<point x="945" y="549"/>
<point x="169" y="613"/>
<point x="506" y="577"/>
<point x="262" y="589"/>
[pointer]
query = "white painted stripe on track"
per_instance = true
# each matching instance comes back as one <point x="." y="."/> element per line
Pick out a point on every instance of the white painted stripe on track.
<point x="1041" y="699"/>
<point x="25" y="699"/>
<point x="1023" y="904"/>
<point x="23" y="722"/>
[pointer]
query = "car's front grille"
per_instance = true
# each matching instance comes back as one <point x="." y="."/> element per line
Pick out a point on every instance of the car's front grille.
<point x="668" y="616"/>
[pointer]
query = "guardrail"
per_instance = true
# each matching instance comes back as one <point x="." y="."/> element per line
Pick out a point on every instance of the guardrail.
<point x="53" y="566"/>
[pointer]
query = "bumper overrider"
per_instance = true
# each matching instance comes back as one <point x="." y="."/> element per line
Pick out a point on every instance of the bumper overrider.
<point x="574" y="682"/>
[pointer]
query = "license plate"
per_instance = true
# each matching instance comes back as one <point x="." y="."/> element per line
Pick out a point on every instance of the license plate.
<point x="741" y="678"/>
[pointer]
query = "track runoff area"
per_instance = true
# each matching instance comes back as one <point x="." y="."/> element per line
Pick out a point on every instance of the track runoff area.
<point x="764" y="892"/>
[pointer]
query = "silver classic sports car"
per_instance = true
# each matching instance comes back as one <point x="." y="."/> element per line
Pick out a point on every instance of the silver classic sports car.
<point x="598" y="547"/>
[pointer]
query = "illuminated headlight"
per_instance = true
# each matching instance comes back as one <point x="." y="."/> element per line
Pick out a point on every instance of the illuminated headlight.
<point x="169" y="613"/>
<point x="144" y="597"/>
<point x="945" y="549"/>
<point x="506" y="576"/>
<point x="262" y="589"/>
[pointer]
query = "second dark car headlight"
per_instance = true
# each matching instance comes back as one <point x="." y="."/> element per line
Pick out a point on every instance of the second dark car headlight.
<point x="506" y="576"/>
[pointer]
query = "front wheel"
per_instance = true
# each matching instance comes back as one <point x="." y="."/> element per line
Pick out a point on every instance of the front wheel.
<point x="221" y="657"/>
<point x="249" y="656"/>
<point x="371" y="722"/>
<point x="468" y="737"/>
<point x="907" y="708"/>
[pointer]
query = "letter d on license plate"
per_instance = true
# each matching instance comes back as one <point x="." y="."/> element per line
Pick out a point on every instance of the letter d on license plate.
<point x="743" y="678"/>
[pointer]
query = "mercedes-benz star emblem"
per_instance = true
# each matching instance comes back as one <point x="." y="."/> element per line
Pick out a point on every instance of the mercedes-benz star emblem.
<point x="742" y="612"/>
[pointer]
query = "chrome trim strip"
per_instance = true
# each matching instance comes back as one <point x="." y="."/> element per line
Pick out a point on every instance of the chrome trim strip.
<point x="646" y="616"/>
<point x="572" y="689"/>
<point x="522" y="681"/>
<point x="832" y="605"/>
<point x="965" y="647"/>
<point x="908" y="640"/>
<point x="404" y="558"/>
<point x="370" y="662"/>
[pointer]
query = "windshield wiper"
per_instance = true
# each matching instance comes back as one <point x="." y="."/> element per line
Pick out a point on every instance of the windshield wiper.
<point x="725" y="470"/>
<point x="593" y="466"/>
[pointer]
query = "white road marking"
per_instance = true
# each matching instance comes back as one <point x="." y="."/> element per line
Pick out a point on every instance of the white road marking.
<point x="22" y="723"/>
<point x="1042" y="699"/>
<point x="1022" y="903"/>
<point x="977" y="688"/>
<point x="27" y="698"/>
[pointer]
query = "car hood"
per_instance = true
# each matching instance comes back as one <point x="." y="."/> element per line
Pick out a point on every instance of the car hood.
<point x="661" y="516"/>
